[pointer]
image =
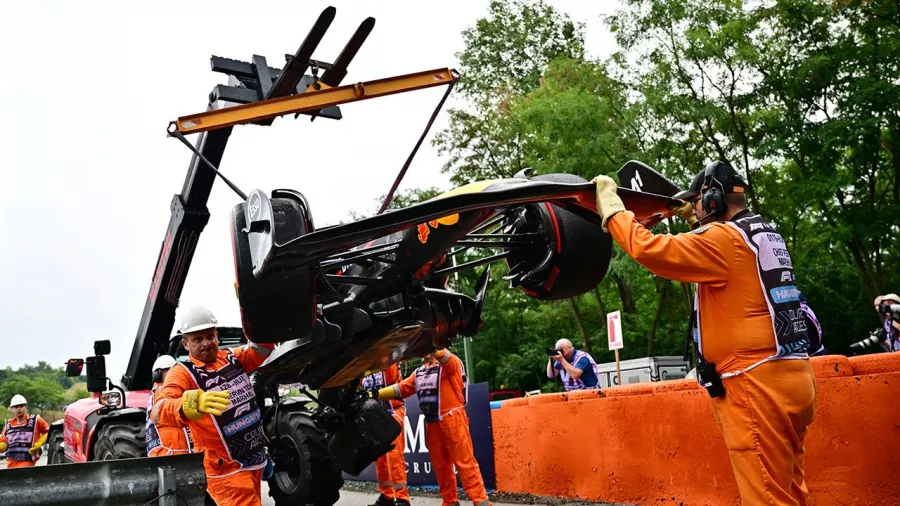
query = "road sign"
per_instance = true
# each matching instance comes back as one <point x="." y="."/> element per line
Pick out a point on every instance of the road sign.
<point x="614" y="330"/>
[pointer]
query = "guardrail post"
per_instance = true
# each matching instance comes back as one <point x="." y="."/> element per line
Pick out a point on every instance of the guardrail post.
<point x="166" y="485"/>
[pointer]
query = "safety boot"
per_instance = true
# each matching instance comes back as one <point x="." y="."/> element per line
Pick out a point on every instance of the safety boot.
<point x="383" y="501"/>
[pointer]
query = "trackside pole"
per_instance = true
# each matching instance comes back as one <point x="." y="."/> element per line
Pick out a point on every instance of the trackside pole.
<point x="618" y="370"/>
<point x="167" y="486"/>
<point x="616" y="342"/>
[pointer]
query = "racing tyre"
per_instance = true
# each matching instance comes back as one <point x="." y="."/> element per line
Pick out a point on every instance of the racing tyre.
<point x="304" y="473"/>
<point x="55" y="451"/>
<point x="281" y="306"/>
<point x="121" y="440"/>
<point x="574" y="256"/>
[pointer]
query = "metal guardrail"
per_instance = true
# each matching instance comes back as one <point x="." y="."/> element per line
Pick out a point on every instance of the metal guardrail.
<point x="127" y="482"/>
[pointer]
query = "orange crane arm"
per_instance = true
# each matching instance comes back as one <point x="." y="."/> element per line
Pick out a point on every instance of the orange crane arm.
<point x="311" y="100"/>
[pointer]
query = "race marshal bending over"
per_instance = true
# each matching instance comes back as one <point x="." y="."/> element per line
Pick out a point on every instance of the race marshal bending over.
<point x="748" y="327"/>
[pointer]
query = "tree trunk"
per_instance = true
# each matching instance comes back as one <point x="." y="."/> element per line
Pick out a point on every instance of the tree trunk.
<point x="600" y="303"/>
<point x="656" y="317"/>
<point x="858" y="258"/>
<point x="585" y="342"/>
<point x="625" y="294"/>
<point x="688" y="302"/>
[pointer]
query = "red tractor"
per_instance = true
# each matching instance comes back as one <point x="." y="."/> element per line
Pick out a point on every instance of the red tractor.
<point x="111" y="423"/>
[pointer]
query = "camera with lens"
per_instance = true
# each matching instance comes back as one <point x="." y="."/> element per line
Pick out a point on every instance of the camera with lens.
<point x="874" y="340"/>
<point x="552" y="352"/>
<point x="892" y="310"/>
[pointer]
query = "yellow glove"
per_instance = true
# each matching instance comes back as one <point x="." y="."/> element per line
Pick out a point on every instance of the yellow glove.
<point x="38" y="444"/>
<point x="686" y="212"/>
<point x="385" y="394"/>
<point x="196" y="403"/>
<point x="608" y="201"/>
<point x="3" y="447"/>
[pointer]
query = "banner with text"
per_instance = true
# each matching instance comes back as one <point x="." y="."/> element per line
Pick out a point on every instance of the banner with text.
<point x="418" y="462"/>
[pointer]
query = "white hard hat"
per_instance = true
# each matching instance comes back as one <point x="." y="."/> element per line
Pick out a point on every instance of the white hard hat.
<point x="195" y="319"/>
<point x="17" y="400"/>
<point x="163" y="362"/>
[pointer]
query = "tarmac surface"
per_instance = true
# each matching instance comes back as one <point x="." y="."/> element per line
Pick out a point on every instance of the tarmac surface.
<point x="357" y="493"/>
<point x="353" y="498"/>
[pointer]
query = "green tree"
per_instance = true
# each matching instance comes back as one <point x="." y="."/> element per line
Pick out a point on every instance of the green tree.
<point x="505" y="55"/>
<point x="41" y="393"/>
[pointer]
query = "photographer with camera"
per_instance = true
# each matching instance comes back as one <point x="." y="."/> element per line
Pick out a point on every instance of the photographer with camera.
<point x="575" y="368"/>
<point x="747" y="326"/>
<point x="888" y="336"/>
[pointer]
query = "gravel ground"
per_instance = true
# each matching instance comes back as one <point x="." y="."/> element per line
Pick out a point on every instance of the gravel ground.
<point x="495" y="496"/>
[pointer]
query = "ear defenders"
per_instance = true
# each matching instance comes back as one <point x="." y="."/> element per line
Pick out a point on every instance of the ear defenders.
<point x="713" y="191"/>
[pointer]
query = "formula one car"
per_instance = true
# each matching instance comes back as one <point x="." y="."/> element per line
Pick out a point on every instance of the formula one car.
<point x="350" y="299"/>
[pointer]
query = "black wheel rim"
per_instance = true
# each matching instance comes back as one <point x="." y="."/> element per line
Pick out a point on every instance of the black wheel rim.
<point x="288" y="458"/>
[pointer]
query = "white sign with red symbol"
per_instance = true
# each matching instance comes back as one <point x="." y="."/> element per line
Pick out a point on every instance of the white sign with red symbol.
<point x="614" y="330"/>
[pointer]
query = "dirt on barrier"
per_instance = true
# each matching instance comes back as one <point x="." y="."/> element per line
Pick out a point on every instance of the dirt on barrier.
<point x="495" y="496"/>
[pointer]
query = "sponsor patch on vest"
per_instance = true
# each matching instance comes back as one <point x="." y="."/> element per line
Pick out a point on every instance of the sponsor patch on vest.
<point x="241" y="423"/>
<point x="781" y="294"/>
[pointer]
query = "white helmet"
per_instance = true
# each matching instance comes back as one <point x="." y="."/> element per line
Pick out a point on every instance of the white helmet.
<point x="195" y="319"/>
<point x="17" y="400"/>
<point x="163" y="362"/>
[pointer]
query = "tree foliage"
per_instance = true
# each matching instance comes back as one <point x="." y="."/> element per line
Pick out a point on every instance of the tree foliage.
<point x="45" y="387"/>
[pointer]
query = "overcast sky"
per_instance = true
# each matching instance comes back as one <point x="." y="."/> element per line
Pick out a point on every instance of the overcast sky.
<point x="88" y="173"/>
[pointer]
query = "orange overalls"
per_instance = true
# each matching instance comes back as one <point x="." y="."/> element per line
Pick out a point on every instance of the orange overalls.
<point x="14" y="457"/>
<point x="390" y="468"/>
<point x="164" y="439"/>
<point x="442" y="401"/>
<point x="228" y="482"/>
<point x="768" y="404"/>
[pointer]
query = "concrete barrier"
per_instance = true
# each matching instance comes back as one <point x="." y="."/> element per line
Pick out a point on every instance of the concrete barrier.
<point x="659" y="444"/>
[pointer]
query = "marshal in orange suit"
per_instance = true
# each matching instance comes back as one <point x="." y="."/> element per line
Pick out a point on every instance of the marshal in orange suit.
<point x="390" y="468"/>
<point x="748" y="327"/>
<point x="440" y="384"/>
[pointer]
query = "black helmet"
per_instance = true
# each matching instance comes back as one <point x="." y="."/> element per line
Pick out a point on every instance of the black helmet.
<point x="693" y="191"/>
<point x="724" y="174"/>
<point x="731" y="181"/>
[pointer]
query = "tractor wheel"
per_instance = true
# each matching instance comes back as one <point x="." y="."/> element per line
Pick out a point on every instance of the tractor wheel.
<point x="56" y="453"/>
<point x="304" y="473"/>
<point x="282" y="306"/>
<point x="121" y="440"/>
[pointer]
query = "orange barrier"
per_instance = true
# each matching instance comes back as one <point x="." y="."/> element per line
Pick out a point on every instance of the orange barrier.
<point x="657" y="443"/>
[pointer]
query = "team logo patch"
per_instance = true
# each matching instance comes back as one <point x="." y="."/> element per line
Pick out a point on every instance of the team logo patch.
<point x="424" y="231"/>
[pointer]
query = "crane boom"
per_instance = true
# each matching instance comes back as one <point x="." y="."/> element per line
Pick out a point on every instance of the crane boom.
<point x="311" y="101"/>
<point x="249" y="82"/>
<point x="262" y="93"/>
